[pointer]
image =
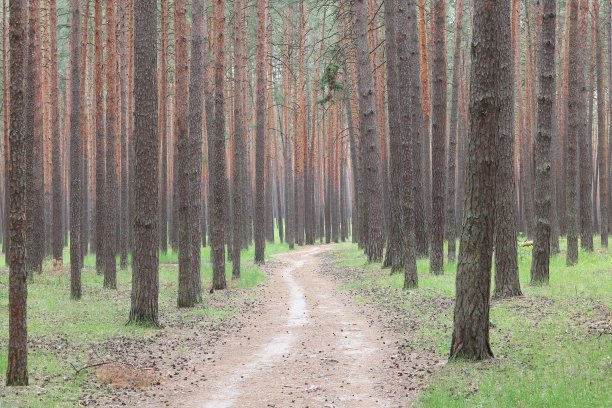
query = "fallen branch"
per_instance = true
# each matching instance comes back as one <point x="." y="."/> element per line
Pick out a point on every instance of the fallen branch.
<point x="78" y="370"/>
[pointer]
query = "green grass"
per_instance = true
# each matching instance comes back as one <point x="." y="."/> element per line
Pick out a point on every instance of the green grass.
<point x="63" y="332"/>
<point x="546" y="356"/>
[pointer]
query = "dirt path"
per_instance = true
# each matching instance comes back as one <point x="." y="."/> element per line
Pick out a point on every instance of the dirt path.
<point x="309" y="347"/>
<point x="305" y="345"/>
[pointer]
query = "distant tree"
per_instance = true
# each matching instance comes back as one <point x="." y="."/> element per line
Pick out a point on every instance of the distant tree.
<point x="145" y="276"/>
<point x="471" y="317"/>
<point x="17" y="364"/>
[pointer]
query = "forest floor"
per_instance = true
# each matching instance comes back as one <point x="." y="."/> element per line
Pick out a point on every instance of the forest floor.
<point x="317" y="327"/>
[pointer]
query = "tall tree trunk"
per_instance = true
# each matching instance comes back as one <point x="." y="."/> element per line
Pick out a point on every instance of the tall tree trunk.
<point x="407" y="175"/>
<point x="110" y="190"/>
<point x="145" y="275"/>
<point x="216" y="154"/>
<point x="602" y="162"/>
<point x="575" y="106"/>
<point x="393" y="256"/>
<point x="543" y="180"/>
<point x="453" y="131"/>
<point x="100" y="137"/>
<point x="6" y="125"/>
<point x="286" y="138"/>
<point x="162" y="127"/>
<point x="584" y="136"/>
<point x="186" y="296"/>
<point x="260" y="137"/>
<point x="190" y="287"/>
<point x="507" y="282"/>
<point x="471" y="318"/>
<point x="300" y="136"/>
<point x="75" y="153"/>
<point x="84" y="134"/>
<point x="17" y="364"/>
<point x="240" y="59"/>
<point x="609" y="25"/>
<point x="418" y="124"/>
<point x="370" y="140"/>
<point x="438" y="136"/>
<point x="31" y="85"/>
<point x="123" y="121"/>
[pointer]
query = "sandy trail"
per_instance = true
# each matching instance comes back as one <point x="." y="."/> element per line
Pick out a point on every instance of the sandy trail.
<point x="309" y="347"/>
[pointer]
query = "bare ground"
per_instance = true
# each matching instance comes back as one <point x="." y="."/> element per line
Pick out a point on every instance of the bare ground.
<point x="304" y="344"/>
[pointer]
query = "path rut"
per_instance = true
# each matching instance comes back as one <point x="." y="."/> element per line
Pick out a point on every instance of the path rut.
<point x="309" y="346"/>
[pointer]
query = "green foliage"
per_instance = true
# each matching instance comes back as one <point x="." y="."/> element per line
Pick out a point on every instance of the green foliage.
<point x="550" y="350"/>
<point x="329" y="83"/>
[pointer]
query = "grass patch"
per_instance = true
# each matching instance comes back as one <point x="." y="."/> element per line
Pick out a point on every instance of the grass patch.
<point x="62" y="333"/>
<point x="547" y="352"/>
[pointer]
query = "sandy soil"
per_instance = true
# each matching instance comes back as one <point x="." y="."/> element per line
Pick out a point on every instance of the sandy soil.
<point x="307" y="345"/>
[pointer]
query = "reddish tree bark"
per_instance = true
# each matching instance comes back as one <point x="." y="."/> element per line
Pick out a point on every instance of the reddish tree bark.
<point x="438" y="135"/>
<point x="260" y="137"/>
<point x="216" y="154"/>
<point x="17" y="364"/>
<point x="110" y="188"/>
